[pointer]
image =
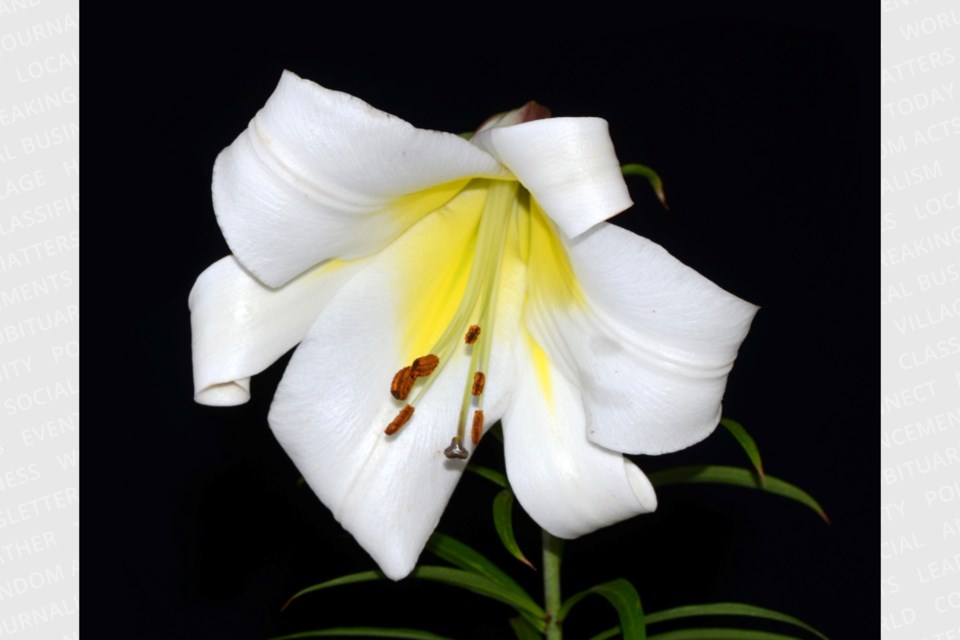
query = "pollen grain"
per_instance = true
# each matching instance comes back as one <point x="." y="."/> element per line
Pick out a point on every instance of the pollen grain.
<point x="402" y="383"/>
<point x="405" y="414"/>
<point x="479" y="380"/>
<point x="472" y="334"/>
<point x="476" y="429"/>
<point x="424" y="365"/>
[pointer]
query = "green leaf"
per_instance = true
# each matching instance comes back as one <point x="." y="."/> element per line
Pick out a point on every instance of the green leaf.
<point x="503" y="522"/>
<point x="464" y="557"/>
<point x="624" y="598"/>
<point x="524" y="630"/>
<point x="455" y="577"/>
<point x="364" y="632"/>
<point x="729" y="609"/>
<point x="649" y="174"/>
<point x="720" y="634"/>
<point x="748" y="444"/>
<point x="353" y="578"/>
<point x="606" y="635"/>
<point x="493" y="476"/>
<point x="480" y="585"/>
<point x="715" y="474"/>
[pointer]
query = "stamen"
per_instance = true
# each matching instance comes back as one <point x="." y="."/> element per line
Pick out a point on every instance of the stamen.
<point x="476" y="429"/>
<point x="478" y="302"/>
<point x="472" y="334"/>
<point x="402" y="383"/>
<point x="478" y="381"/>
<point x="456" y="451"/>
<point x="424" y="365"/>
<point x="405" y="414"/>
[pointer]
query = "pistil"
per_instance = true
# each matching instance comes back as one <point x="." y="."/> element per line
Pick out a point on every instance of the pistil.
<point x="456" y="451"/>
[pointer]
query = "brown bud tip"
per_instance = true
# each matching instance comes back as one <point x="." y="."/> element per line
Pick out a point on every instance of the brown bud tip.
<point x="456" y="451"/>
<point x="534" y="111"/>
<point x="472" y="334"/>
<point x="478" y="381"/>
<point x="402" y="383"/>
<point x="405" y="414"/>
<point x="424" y="365"/>
<point x="476" y="429"/>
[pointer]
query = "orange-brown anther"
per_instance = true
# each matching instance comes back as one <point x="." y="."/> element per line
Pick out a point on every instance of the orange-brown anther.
<point x="424" y="365"/>
<point x="478" y="381"/>
<point x="402" y="383"/>
<point x="476" y="429"/>
<point x="405" y="414"/>
<point x="472" y="334"/>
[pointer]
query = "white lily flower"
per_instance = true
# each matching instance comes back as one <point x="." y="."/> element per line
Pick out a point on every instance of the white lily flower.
<point x="437" y="285"/>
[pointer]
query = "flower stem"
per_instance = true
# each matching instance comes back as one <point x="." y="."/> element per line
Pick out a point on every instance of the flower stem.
<point x="552" y="554"/>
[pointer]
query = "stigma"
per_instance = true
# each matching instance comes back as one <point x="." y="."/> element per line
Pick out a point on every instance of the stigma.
<point x="471" y="326"/>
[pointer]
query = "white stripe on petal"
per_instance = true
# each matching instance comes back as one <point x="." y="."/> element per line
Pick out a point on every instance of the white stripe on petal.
<point x="567" y="484"/>
<point x="320" y="174"/>
<point x="654" y="343"/>
<point x="240" y="327"/>
<point x="568" y="164"/>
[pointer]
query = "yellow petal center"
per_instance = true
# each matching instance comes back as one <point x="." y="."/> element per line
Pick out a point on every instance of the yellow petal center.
<point x="488" y="224"/>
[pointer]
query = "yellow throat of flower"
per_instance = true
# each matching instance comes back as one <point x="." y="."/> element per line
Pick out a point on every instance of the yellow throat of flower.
<point x="508" y="216"/>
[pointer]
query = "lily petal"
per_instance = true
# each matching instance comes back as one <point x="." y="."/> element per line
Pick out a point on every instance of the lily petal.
<point x="240" y="327"/>
<point x="333" y="403"/>
<point x="654" y="343"/>
<point x="569" y="485"/>
<point x="568" y="164"/>
<point x="320" y="174"/>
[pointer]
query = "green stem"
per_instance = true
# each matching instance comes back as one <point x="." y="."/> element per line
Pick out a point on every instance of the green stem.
<point x="552" y="553"/>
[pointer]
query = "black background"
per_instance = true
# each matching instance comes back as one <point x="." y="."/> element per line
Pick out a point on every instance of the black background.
<point x="756" y="120"/>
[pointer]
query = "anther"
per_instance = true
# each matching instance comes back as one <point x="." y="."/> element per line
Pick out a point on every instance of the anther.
<point x="478" y="381"/>
<point x="405" y="414"/>
<point x="476" y="429"/>
<point x="424" y="365"/>
<point x="456" y="451"/>
<point x="402" y="383"/>
<point x="472" y="334"/>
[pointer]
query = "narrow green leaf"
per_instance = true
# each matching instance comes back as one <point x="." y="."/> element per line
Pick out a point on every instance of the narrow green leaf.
<point x="715" y="474"/>
<point x="493" y="476"/>
<point x="624" y="598"/>
<point x="503" y="522"/>
<point x="524" y="630"/>
<point x="466" y="135"/>
<point x="353" y="578"/>
<point x="748" y="444"/>
<point x="364" y="632"/>
<point x="729" y="609"/>
<point x="464" y="557"/>
<point x="456" y="577"/>
<point x="721" y="634"/>
<point x="649" y="174"/>
<point x="481" y="586"/>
